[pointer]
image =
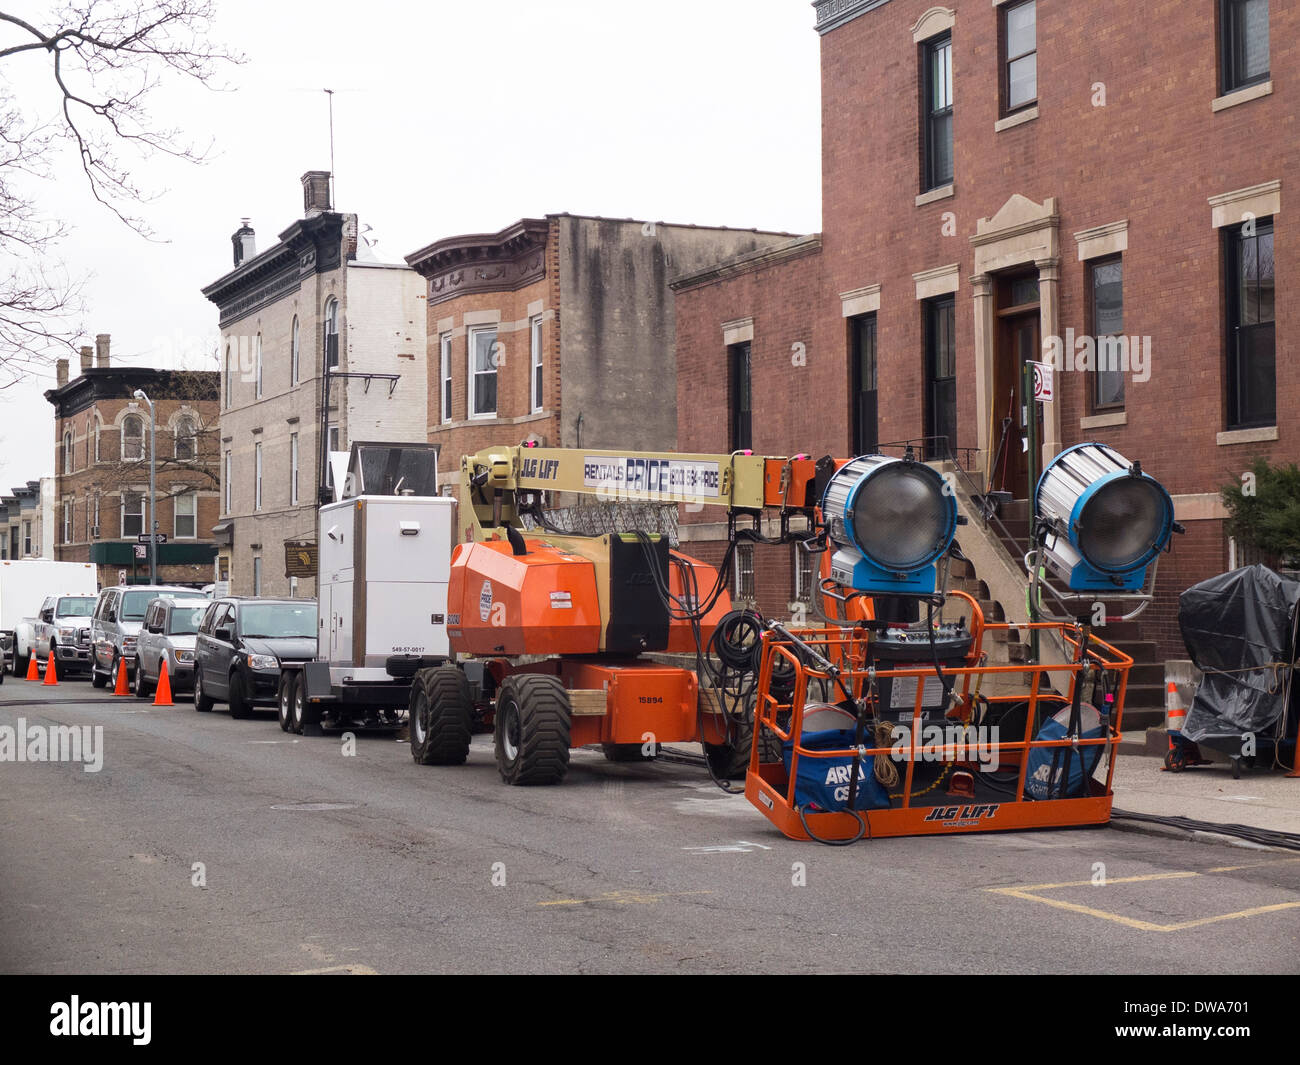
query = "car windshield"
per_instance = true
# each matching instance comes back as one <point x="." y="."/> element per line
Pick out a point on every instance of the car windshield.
<point x="184" y="620"/>
<point x="75" y="606"/>
<point x="134" y="605"/>
<point x="277" y="620"/>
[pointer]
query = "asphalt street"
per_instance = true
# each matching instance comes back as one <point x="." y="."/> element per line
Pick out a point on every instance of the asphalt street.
<point x="206" y="844"/>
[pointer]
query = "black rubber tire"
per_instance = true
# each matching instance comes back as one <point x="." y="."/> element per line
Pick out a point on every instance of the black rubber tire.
<point x="441" y="716"/>
<point x="201" y="702"/>
<point x="730" y="761"/>
<point x="97" y="679"/>
<point x="141" y="686"/>
<point x="532" y="730"/>
<point x="240" y="709"/>
<point x="112" y="677"/>
<point x="20" y="664"/>
<point x="626" y="752"/>
<point x="284" y="702"/>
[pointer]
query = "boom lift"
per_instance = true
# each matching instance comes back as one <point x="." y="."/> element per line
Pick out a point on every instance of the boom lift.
<point x="558" y="624"/>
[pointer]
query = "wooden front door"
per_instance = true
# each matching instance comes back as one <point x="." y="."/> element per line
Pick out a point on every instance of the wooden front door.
<point x="1018" y="341"/>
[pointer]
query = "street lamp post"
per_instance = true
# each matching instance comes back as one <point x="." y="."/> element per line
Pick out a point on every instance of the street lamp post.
<point x="153" y="497"/>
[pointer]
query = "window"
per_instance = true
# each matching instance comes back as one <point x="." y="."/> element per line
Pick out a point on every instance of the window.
<point x="228" y="466"/>
<point x="67" y="451"/>
<point x="535" y="329"/>
<point x="940" y="377"/>
<point x="444" y="343"/>
<point x="1252" y="356"/>
<point x="95" y="524"/>
<point x="230" y="378"/>
<point x="257" y="363"/>
<point x="1019" y="56"/>
<point x="67" y="521"/>
<point x="186" y="516"/>
<point x="333" y="446"/>
<point x="937" y="108"/>
<point x="295" y="363"/>
<point x="1107" y="289"/>
<point x="132" y="513"/>
<point x="332" y="334"/>
<point x="257" y="575"/>
<point x="744" y="571"/>
<point x="1243" y="43"/>
<point x="866" y="422"/>
<point x="739" y="397"/>
<point x="805" y="573"/>
<point x="293" y="468"/>
<point x="293" y="587"/>
<point x="483" y="372"/>
<point x="257" y="476"/>
<point x="185" y="438"/>
<point x="27" y="538"/>
<point x="132" y="438"/>
<point x="97" y="427"/>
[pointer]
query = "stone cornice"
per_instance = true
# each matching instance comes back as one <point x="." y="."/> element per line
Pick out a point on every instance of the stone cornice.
<point x="484" y="262"/>
<point x="831" y="14"/>
<point x="107" y="383"/>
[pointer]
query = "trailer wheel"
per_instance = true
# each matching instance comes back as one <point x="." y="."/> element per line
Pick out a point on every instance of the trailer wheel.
<point x="730" y="761"/>
<point x="284" y="702"/>
<point x="626" y="752"/>
<point x="441" y="716"/>
<point x="532" y="730"/>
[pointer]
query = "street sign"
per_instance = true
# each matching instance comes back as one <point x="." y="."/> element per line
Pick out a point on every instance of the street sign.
<point x="158" y="538"/>
<point x="141" y="552"/>
<point x="1044" y="382"/>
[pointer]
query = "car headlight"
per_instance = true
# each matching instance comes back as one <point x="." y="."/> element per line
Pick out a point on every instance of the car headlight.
<point x="263" y="662"/>
<point x="183" y="656"/>
<point x="68" y="632"/>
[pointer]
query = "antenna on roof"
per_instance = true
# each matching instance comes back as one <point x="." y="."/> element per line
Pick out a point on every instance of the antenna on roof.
<point x="333" y="194"/>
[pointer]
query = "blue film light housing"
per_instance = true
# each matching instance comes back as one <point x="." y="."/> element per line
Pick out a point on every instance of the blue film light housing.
<point x="1102" y="520"/>
<point x="890" y="520"/>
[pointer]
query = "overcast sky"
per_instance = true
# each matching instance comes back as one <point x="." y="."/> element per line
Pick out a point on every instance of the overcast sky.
<point x="449" y="117"/>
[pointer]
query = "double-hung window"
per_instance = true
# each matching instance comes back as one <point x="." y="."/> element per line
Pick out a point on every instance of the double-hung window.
<point x="1019" y="56"/>
<point x="483" y="359"/>
<point x="1251" y="339"/>
<point x="937" y="112"/>
<point x="1243" y="43"/>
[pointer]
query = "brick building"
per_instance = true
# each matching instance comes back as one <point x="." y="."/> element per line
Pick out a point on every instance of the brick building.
<point x="559" y="329"/>
<point x="318" y="298"/>
<point x="1005" y="180"/>
<point x="27" y="520"/>
<point x="101" y="480"/>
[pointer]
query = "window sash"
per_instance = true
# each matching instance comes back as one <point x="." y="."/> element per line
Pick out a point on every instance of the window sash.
<point x="295" y="356"/>
<point x="483" y="373"/>
<point x="133" y="514"/>
<point x="293" y="468"/>
<point x="1251" y="339"/>
<point x="257" y="476"/>
<point x="1244" y="43"/>
<point x="445" y="342"/>
<point x="536" y="380"/>
<point x="1020" y="50"/>
<point x="228" y="485"/>
<point x="1106" y="290"/>
<point x="133" y="443"/>
<point x="185" y="516"/>
<point x="332" y="334"/>
<point x="938" y="113"/>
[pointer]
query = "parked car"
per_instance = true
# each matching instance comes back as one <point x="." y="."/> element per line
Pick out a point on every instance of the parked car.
<point x="115" y="626"/>
<point x="240" y="646"/>
<point x="167" y="635"/>
<point x="63" y="627"/>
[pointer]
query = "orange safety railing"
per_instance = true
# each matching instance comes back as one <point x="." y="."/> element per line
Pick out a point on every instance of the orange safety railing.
<point x="845" y="671"/>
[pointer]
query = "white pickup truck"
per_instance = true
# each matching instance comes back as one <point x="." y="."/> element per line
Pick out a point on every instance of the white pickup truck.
<point x="62" y="625"/>
<point x="25" y="584"/>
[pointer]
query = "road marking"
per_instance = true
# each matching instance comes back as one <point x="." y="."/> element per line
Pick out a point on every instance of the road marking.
<point x="338" y="970"/>
<point x="270" y="742"/>
<point x="1252" y="865"/>
<point x="1028" y="892"/>
<point x="741" y="847"/>
<point x="624" y="897"/>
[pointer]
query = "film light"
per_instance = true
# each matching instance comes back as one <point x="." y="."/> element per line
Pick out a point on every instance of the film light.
<point x="1102" y="521"/>
<point x="890" y="520"/>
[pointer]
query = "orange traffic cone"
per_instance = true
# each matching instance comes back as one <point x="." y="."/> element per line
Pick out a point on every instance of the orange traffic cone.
<point x="33" y="671"/>
<point x="51" y="674"/>
<point x="163" y="696"/>
<point x="1175" y="712"/>
<point x="120" y="687"/>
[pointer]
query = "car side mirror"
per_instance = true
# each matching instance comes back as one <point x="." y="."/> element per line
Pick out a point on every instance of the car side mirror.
<point x="224" y="633"/>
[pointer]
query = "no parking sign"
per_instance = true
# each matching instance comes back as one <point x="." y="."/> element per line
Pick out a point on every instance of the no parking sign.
<point x="1044" y="382"/>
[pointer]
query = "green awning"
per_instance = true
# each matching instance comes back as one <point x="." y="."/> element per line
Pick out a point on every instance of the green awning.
<point x="122" y="553"/>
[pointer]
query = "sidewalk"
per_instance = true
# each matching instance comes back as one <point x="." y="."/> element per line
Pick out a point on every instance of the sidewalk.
<point x="1265" y="799"/>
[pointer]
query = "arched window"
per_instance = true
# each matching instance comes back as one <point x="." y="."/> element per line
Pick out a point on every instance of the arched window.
<point x="185" y="438"/>
<point x="332" y="334"/>
<point x="230" y="378"/>
<point x="295" y="368"/>
<point x="132" y="437"/>
<point x="67" y="453"/>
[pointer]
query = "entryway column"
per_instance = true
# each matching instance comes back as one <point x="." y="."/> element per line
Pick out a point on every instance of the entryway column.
<point x="982" y="288"/>
<point x="1049" y="313"/>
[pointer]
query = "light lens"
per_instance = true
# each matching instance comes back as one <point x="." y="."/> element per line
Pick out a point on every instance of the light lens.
<point x="901" y="518"/>
<point x="1122" y="523"/>
<point x="263" y="662"/>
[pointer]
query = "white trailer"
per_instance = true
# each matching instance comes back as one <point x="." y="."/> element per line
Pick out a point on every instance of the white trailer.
<point x="24" y="585"/>
<point x="384" y="561"/>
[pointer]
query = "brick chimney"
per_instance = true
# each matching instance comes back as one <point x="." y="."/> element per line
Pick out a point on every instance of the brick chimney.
<point x="101" y="350"/>
<point x="61" y="372"/>
<point x="315" y="193"/>
<point x="87" y="357"/>
<point x="244" y="240"/>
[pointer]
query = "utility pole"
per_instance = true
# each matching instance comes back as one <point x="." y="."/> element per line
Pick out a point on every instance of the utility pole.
<point x="153" y="492"/>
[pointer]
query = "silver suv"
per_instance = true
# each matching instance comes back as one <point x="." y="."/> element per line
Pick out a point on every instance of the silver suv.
<point x="170" y="626"/>
<point x="115" y="626"/>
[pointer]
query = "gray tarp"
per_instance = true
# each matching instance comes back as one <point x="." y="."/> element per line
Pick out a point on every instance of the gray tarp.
<point x="1246" y="618"/>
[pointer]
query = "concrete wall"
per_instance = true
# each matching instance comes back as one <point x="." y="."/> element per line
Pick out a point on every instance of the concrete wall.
<point x="618" y="357"/>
